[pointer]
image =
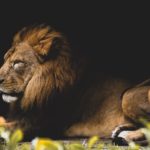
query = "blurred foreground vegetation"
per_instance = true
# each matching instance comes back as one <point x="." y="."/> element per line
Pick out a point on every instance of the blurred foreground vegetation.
<point x="12" y="141"/>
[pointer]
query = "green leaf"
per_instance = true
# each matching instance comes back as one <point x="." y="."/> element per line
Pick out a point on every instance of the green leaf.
<point x="75" y="146"/>
<point x="92" y="141"/>
<point x="2" y="129"/>
<point x="46" y="144"/>
<point x="25" y="147"/>
<point x="16" y="136"/>
<point x="145" y="123"/>
<point x="146" y="133"/>
<point x="133" y="146"/>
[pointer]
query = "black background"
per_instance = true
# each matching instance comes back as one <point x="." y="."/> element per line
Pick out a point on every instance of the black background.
<point x="114" y="35"/>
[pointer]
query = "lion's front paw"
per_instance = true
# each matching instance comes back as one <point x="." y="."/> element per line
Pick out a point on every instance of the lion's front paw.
<point x="122" y="135"/>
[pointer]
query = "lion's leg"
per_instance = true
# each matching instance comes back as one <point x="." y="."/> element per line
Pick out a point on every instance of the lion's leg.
<point x="123" y="134"/>
<point x="135" y="105"/>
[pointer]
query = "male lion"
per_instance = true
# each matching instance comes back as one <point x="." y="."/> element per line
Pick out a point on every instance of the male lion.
<point x="51" y="95"/>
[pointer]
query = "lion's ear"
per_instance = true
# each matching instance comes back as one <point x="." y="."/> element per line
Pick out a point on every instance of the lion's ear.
<point x="42" y="38"/>
<point x="51" y="43"/>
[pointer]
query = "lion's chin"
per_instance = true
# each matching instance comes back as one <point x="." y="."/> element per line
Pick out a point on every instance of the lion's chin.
<point x="8" y="98"/>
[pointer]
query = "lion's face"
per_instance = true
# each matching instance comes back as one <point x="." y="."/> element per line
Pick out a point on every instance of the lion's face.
<point x="19" y="67"/>
<point x="38" y="64"/>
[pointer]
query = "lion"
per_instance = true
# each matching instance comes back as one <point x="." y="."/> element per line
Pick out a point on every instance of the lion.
<point x="52" y="94"/>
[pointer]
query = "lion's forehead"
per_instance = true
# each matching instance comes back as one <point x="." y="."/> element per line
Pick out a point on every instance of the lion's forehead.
<point x="22" y="51"/>
<point x="22" y="46"/>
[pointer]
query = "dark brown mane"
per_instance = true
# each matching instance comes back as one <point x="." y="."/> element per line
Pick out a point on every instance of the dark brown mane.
<point x="40" y="37"/>
<point x="56" y="73"/>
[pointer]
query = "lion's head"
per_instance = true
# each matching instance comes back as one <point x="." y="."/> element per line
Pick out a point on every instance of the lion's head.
<point x="38" y="63"/>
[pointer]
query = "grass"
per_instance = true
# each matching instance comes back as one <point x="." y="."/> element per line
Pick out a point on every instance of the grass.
<point x="12" y="141"/>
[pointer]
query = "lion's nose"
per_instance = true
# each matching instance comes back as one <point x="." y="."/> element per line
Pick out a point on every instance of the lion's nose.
<point x="1" y="80"/>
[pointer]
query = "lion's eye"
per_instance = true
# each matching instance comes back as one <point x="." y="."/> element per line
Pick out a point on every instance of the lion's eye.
<point x="18" y="66"/>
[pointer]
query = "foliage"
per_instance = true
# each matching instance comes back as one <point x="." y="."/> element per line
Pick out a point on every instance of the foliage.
<point x="12" y="141"/>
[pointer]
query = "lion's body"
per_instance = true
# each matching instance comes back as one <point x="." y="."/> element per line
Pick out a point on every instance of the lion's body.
<point x="51" y="94"/>
<point x="91" y="109"/>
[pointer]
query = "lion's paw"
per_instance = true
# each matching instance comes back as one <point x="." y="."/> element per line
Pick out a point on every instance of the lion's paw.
<point x="122" y="135"/>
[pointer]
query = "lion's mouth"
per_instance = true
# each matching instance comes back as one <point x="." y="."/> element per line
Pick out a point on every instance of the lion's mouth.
<point x="9" y="98"/>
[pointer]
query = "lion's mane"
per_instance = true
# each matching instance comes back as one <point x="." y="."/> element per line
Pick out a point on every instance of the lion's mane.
<point x="57" y="69"/>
